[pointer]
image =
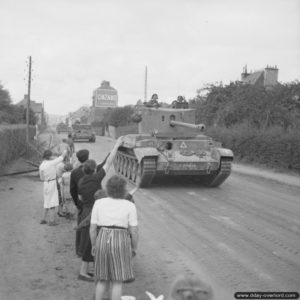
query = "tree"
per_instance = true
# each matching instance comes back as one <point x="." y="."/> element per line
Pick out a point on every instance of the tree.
<point x="257" y="106"/>
<point x="32" y="117"/>
<point x="13" y="114"/>
<point x="83" y="119"/>
<point x="121" y="116"/>
<point x="5" y="100"/>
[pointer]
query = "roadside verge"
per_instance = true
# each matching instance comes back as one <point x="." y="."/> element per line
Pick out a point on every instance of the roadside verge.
<point x="289" y="179"/>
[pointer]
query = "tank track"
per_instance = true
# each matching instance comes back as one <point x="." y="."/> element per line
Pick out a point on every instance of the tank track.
<point x="140" y="174"/>
<point x="223" y="173"/>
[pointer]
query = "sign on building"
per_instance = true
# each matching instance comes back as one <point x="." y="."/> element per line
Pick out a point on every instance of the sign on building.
<point x="105" y="96"/>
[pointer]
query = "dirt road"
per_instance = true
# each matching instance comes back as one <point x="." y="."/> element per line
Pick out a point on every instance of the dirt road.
<point x="243" y="236"/>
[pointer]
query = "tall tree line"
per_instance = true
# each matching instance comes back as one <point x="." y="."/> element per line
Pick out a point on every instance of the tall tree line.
<point x="258" y="107"/>
<point x="13" y="114"/>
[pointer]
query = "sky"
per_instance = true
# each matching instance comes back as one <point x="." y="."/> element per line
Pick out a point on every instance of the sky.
<point x="185" y="44"/>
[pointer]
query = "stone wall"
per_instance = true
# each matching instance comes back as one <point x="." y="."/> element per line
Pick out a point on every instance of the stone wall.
<point x="98" y="130"/>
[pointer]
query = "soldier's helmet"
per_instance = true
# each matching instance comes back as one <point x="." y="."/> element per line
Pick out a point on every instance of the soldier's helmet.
<point x="180" y="99"/>
<point x="154" y="97"/>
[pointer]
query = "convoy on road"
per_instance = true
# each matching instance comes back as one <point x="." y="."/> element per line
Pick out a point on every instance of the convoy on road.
<point x="170" y="143"/>
<point x="83" y="132"/>
<point x="62" y="127"/>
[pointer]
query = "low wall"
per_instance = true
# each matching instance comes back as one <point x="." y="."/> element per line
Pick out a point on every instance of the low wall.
<point x="13" y="141"/>
<point x="98" y="130"/>
<point x="116" y="132"/>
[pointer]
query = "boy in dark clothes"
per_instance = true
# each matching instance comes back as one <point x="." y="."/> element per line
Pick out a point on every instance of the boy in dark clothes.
<point x="76" y="175"/>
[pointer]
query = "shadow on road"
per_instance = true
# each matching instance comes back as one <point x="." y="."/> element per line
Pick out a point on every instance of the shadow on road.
<point x="178" y="182"/>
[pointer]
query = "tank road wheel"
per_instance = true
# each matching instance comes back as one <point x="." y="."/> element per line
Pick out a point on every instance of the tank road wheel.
<point x="119" y="170"/>
<point x="130" y="165"/>
<point x="140" y="174"/>
<point x="120" y="160"/>
<point x="120" y="163"/>
<point x="116" y="162"/>
<point x="223" y="173"/>
<point x="122" y="170"/>
<point x="128" y="160"/>
<point x="146" y="171"/>
<point x="134" y="170"/>
<point x="125" y="170"/>
<point x="126" y="165"/>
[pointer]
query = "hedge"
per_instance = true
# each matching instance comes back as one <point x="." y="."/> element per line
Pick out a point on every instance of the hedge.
<point x="13" y="141"/>
<point x="273" y="147"/>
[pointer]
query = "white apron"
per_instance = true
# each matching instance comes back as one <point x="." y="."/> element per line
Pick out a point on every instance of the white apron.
<point x="48" y="175"/>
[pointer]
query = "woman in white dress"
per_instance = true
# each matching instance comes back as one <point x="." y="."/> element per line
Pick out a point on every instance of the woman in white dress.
<point x="47" y="172"/>
<point x="116" y="243"/>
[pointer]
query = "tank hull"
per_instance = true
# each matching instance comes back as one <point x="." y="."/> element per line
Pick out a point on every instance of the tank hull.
<point x="169" y="144"/>
<point x="198" y="157"/>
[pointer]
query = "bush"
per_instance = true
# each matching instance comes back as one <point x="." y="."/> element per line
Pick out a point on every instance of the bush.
<point x="120" y="116"/>
<point x="273" y="147"/>
<point x="13" y="142"/>
<point x="13" y="114"/>
<point x="238" y="103"/>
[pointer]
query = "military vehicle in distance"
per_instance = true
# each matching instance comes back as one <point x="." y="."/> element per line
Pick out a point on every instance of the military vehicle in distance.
<point x="170" y="143"/>
<point x="83" y="132"/>
<point x="62" y="127"/>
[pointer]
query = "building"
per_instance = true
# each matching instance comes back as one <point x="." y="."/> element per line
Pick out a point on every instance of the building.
<point x="267" y="77"/>
<point x="104" y="97"/>
<point x="36" y="107"/>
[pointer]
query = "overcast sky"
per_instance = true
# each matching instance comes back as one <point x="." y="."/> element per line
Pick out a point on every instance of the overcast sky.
<point x="75" y="44"/>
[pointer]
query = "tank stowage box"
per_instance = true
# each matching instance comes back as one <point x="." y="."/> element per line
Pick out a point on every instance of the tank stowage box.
<point x="170" y="143"/>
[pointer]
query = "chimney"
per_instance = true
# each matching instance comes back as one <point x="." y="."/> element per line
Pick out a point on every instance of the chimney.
<point x="270" y="76"/>
<point x="245" y="74"/>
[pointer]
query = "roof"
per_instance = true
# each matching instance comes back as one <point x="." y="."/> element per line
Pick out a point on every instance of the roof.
<point x="36" y="107"/>
<point x="166" y="109"/>
<point x="255" y="78"/>
<point x="105" y="85"/>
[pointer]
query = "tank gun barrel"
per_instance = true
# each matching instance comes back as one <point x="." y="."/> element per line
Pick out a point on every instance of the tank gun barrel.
<point x="199" y="127"/>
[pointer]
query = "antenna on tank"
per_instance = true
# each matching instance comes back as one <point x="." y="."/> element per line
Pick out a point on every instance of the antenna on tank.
<point x="145" y="90"/>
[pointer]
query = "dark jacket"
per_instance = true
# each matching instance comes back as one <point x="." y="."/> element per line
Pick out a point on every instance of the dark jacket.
<point x="76" y="175"/>
<point x="88" y="185"/>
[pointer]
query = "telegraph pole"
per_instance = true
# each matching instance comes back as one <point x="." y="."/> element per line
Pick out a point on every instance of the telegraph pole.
<point x="28" y="101"/>
<point x="145" y="91"/>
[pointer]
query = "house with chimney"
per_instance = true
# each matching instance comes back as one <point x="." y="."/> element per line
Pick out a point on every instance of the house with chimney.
<point x="104" y="97"/>
<point x="266" y="77"/>
<point x="36" y="107"/>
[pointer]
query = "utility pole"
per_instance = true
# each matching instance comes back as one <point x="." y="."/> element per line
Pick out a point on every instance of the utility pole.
<point x="145" y="91"/>
<point x="28" y="101"/>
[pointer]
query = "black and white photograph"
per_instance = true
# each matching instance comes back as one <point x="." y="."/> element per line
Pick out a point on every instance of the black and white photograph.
<point x="149" y="150"/>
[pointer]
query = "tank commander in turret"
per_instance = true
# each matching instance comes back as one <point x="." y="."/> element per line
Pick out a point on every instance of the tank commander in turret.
<point x="180" y="103"/>
<point x="153" y="101"/>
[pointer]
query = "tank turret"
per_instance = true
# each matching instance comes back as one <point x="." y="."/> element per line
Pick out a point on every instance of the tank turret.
<point x="169" y="143"/>
<point x="164" y="121"/>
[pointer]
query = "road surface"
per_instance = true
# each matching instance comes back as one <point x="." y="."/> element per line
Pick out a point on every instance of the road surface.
<point x="242" y="236"/>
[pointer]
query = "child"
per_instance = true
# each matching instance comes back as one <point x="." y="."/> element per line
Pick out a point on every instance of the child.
<point x="67" y="202"/>
<point x="60" y="169"/>
<point x="190" y="287"/>
<point x="187" y="287"/>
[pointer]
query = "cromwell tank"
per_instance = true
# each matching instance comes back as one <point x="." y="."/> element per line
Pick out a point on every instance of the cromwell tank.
<point x="169" y="143"/>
